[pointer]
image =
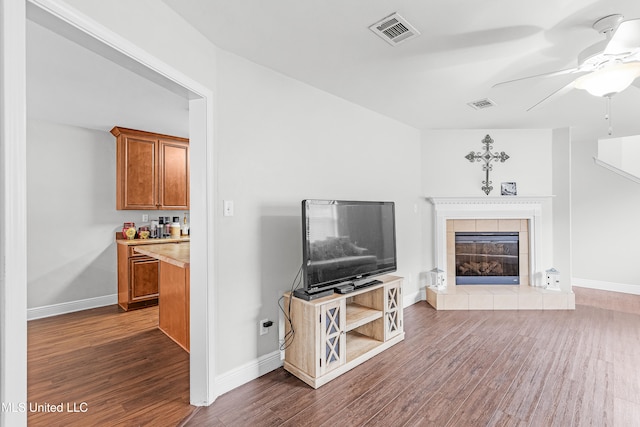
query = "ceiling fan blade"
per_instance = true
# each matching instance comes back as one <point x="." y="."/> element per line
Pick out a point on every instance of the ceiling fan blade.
<point x="550" y="74"/>
<point x="626" y="38"/>
<point x="558" y="93"/>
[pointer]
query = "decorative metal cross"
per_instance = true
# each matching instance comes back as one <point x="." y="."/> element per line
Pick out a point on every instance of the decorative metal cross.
<point x="487" y="157"/>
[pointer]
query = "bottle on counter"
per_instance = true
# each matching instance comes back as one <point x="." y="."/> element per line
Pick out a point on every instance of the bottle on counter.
<point x="160" y="234"/>
<point x="185" y="226"/>
<point x="162" y="227"/>
<point x="167" y="227"/>
<point x="175" y="230"/>
<point x="153" y="231"/>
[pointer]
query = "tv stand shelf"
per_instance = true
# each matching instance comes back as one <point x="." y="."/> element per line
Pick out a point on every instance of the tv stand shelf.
<point x="337" y="333"/>
<point x="358" y="344"/>
<point x="358" y="315"/>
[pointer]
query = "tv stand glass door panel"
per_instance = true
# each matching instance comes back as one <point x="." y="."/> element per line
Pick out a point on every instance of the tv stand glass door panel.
<point x="332" y="336"/>
<point x="393" y="310"/>
<point x="338" y="332"/>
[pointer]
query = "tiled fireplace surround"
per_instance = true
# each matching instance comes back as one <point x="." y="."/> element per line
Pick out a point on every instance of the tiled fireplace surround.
<point x="508" y="213"/>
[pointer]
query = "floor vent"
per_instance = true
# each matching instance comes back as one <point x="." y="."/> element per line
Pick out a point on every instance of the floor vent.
<point x="394" y="29"/>
<point x="482" y="103"/>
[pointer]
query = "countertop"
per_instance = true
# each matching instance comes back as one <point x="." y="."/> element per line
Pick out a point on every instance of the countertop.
<point x="176" y="254"/>
<point x="121" y="241"/>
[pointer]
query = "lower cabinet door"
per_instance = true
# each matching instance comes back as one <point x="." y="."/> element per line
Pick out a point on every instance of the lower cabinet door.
<point x="332" y="336"/>
<point x="393" y="311"/>
<point x="143" y="274"/>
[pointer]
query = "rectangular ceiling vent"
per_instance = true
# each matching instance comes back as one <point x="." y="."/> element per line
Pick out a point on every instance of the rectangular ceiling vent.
<point x="481" y="104"/>
<point x="394" y="29"/>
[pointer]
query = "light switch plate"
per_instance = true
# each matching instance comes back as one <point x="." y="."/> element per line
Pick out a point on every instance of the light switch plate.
<point x="227" y="207"/>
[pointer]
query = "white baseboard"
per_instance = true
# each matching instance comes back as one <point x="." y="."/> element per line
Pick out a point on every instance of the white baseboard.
<point x="269" y="362"/>
<point x="606" y="286"/>
<point x="224" y="383"/>
<point x="412" y="298"/>
<point x="70" y="307"/>
<point x="248" y="372"/>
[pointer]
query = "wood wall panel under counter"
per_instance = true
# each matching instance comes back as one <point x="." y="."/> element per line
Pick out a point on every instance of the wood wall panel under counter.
<point x="174" y="303"/>
<point x="173" y="289"/>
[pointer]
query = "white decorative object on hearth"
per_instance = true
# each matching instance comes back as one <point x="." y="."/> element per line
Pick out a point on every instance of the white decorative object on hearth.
<point x="437" y="279"/>
<point x="553" y="279"/>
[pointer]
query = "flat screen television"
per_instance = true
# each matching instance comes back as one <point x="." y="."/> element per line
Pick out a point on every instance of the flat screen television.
<point x="346" y="242"/>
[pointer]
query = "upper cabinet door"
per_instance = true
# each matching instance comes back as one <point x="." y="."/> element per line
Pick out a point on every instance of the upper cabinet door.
<point x="173" y="180"/>
<point x="138" y="174"/>
<point x="152" y="170"/>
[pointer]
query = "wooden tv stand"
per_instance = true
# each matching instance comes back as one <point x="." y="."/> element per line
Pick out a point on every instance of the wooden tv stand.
<point x="337" y="333"/>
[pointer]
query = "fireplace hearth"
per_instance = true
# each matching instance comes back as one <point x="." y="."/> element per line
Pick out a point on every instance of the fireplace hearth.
<point x="487" y="258"/>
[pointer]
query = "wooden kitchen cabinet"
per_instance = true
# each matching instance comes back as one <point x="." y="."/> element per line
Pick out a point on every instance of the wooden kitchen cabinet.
<point x="152" y="170"/>
<point x="143" y="278"/>
<point x="139" y="274"/>
<point x="138" y="277"/>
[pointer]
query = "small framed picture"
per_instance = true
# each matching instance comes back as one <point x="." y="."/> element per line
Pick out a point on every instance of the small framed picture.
<point x="508" y="189"/>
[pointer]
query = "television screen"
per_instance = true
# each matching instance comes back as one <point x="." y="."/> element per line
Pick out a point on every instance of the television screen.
<point x="346" y="241"/>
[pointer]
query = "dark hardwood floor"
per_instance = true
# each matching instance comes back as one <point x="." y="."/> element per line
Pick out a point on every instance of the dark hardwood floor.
<point x="455" y="368"/>
<point x="125" y="370"/>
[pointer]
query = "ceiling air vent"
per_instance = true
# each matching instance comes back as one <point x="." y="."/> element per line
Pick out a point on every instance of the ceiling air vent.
<point x="394" y="29"/>
<point x="482" y="103"/>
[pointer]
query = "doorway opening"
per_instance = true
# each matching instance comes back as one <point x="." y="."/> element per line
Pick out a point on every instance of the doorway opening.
<point x="68" y="23"/>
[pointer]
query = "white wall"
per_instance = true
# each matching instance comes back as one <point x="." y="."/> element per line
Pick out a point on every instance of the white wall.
<point x="278" y="141"/>
<point x="562" y="229"/>
<point x="604" y="222"/>
<point x="623" y="153"/>
<point x="446" y="172"/>
<point x="282" y="141"/>
<point x="71" y="215"/>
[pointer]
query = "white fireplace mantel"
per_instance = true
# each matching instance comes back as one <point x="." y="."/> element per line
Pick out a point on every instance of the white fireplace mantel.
<point x="505" y="207"/>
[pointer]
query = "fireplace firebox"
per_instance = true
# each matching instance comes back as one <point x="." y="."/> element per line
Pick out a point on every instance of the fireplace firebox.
<point x="487" y="258"/>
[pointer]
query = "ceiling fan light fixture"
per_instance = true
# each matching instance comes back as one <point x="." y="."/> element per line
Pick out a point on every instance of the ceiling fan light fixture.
<point x="610" y="79"/>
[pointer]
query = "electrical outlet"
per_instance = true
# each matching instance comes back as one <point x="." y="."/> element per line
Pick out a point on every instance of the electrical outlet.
<point x="145" y="217"/>
<point x="263" y="329"/>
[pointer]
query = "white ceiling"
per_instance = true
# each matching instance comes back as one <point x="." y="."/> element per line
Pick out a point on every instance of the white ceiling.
<point x="465" y="48"/>
<point x="69" y="84"/>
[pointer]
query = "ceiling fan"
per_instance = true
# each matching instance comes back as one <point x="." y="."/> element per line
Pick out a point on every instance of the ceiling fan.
<point x="605" y="68"/>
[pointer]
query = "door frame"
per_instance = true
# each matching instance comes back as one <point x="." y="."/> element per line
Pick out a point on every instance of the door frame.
<point x="13" y="280"/>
